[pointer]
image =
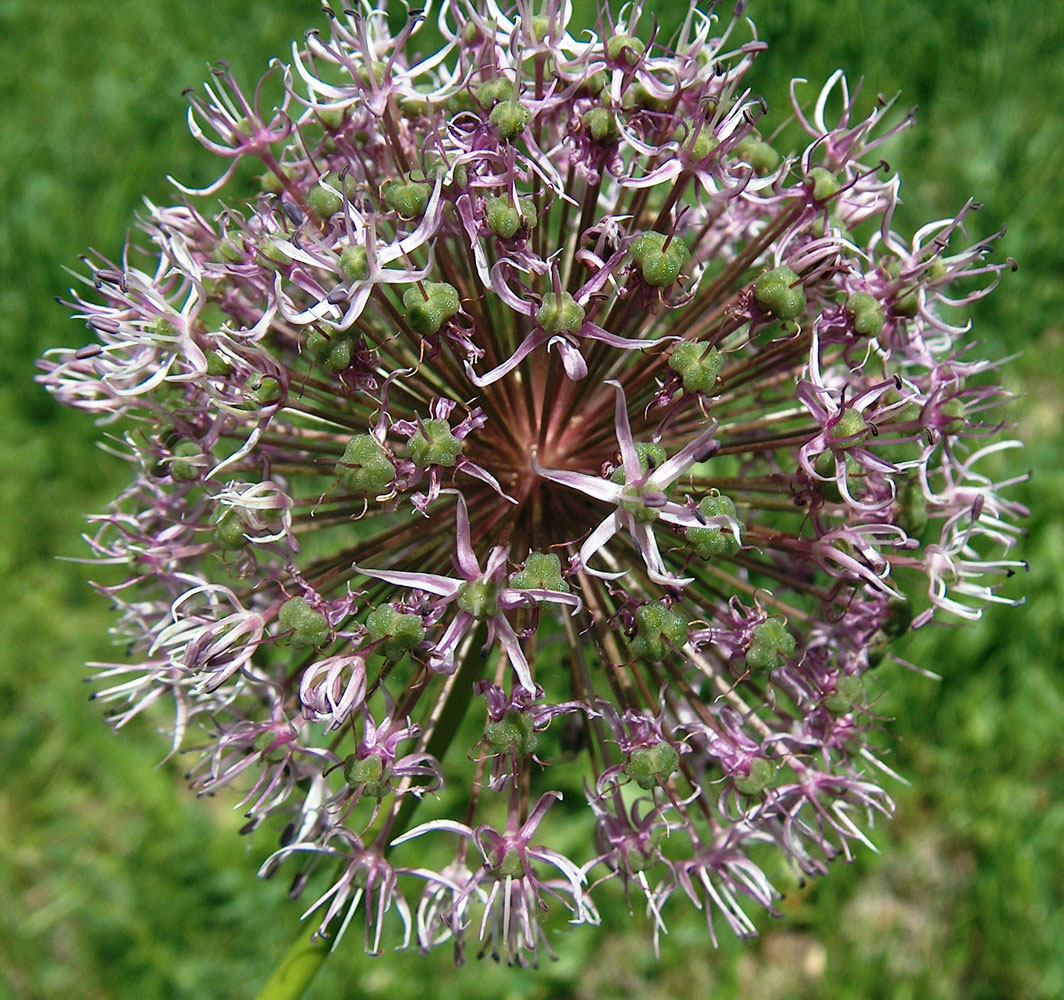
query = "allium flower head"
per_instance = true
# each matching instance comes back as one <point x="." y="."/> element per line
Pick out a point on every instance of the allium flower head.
<point x="547" y="422"/>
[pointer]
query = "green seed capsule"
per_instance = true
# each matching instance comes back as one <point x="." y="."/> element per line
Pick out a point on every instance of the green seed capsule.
<point x="624" y="50"/>
<point x="272" y="253"/>
<point x="825" y="184"/>
<point x="261" y="390"/>
<point x="510" y="119"/>
<point x="653" y="765"/>
<point x="596" y="83"/>
<point x="907" y="305"/>
<point x="713" y="541"/>
<point x="413" y="107"/>
<point x="698" y="367"/>
<point x="324" y="202"/>
<point x="761" y="775"/>
<point x="541" y="27"/>
<point x="759" y="154"/>
<point x="899" y="617"/>
<point x="479" y="598"/>
<point x="354" y="263"/>
<point x="339" y="356"/>
<point x="365" y="466"/>
<point x="271" y="745"/>
<point x="651" y="455"/>
<point x="542" y="571"/>
<point x="779" y="292"/>
<point x="272" y="183"/>
<point x="849" y="691"/>
<point x="770" y="645"/>
<point x="331" y="119"/>
<point x="230" y="250"/>
<point x="229" y="531"/>
<point x="936" y="269"/>
<point x="409" y="198"/>
<point x="434" y="444"/>
<point x="397" y="633"/>
<point x="514" y="732"/>
<point x="218" y="365"/>
<point x="370" y="774"/>
<point x="638" y="97"/>
<point x="555" y="318"/>
<point x="659" y="264"/>
<point x="430" y="306"/>
<point x="490" y="92"/>
<point x="867" y="315"/>
<point x="377" y="70"/>
<point x="852" y="426"/>
<point x="910" y="507"/>
<point x="954" y="412"/>
<point x="502" y="217"/>
<point x="182" y="469"/>
<point x="308" y="627"/>
<point x="601" y="124"/>
<point x="703" y="145"/>
<point x="461" y="100"/>
<point x="658" y="625"/>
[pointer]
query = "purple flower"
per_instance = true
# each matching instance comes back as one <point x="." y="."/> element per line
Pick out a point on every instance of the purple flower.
<point x="543" y="367"/>
<point x="508" y="887"/>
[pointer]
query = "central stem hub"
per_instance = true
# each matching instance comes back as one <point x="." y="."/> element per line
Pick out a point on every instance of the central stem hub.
<point x="546" y="513"/>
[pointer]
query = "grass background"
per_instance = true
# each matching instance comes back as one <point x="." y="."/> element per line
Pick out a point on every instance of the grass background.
<point x="118" y="884"/>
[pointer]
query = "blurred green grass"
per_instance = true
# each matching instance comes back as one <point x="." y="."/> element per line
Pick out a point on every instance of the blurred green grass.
<point x="118" y="884"/>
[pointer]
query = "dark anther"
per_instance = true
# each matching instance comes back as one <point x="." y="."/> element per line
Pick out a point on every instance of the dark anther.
<point x="710" y="450"/>
<point x="337" y="296"/>
<point x="89" y="351"/>
<point x="292" y="211"/>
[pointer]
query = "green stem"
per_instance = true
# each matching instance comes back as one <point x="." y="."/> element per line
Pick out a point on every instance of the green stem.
<point x="299" y="966"/>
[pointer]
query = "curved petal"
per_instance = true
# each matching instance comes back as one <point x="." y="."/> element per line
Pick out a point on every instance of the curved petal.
<point x="442" y="585"/>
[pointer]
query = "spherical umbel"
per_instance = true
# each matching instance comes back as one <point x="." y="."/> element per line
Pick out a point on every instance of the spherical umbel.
<point x="547" y="375"/>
